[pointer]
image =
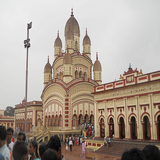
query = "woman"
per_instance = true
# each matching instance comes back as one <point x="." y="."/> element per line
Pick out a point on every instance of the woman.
<point x="83" y="147"/>
<point x="70" y="143"/>
<point x="33" y="151"/>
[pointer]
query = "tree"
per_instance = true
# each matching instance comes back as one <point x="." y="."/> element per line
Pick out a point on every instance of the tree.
<point x="9" y="111"/>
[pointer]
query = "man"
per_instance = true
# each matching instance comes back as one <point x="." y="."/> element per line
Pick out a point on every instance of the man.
<point x="20" y="151"/>
<point x="9" y="138"/>
<point x="21" y="137"/>
<point x="133" y="154"/>
<point x="55" y="144"/>
<point x="151" y="152"/>
<point x="3" y="147"/>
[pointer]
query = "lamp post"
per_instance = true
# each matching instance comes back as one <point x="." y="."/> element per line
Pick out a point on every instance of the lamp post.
<point x="27" y="45"/>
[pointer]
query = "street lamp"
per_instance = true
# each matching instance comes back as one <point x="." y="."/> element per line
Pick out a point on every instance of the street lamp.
<point x="27" y="45"/>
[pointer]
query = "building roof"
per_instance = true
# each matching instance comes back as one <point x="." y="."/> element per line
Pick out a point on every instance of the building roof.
<point x="86" y="39"/>
<point x="58" y="42"/>
<point x="73" y="24"/>
<point x="97" y="64"/>
<point x="48" y="68"/>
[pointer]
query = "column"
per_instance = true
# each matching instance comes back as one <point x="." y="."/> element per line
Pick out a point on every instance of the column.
<point x="106" y="123"/>
<point x="116" y="128"/>
<point x="96" y="119"/>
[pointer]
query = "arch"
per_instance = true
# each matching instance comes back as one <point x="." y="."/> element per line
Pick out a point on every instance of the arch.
<point x="133" y="127"/>
<point x="132" y="115"/>
<point x="121" y="128"/>
<point x="146" y="128"/>
<point x="80" y="74"/>
<point x="143" y="115"/>
<point x="119" y="116"/>
<point x="110" y="116"/>
<point x="102" y="128"/>
<point x="39" y="122"/>
<point x="91" y="119"/>
<point x="76" y="74"/>
<point x="80" y="119"/>
<point x="156" y="116"/>
<point x="111" y="126"/>
<point x="74" y="118"/>
<point x="86" y="118"/>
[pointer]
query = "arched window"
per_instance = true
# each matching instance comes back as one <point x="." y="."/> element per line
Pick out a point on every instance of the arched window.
<point x="80" y="74"/>
<point x="76" y="74"/>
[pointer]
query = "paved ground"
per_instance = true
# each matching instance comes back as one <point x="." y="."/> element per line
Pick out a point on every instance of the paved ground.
<point x="113" y="152"/>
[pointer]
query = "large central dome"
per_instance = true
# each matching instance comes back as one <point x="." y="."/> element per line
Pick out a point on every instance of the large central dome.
<point x="73" y="25"/>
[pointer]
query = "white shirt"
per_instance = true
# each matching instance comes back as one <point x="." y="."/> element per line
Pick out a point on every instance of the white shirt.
<point x="5" y="152"/>
<point x="10" y="146"/>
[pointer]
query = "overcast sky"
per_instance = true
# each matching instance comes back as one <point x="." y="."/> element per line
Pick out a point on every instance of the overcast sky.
<point x="121" y="31"/>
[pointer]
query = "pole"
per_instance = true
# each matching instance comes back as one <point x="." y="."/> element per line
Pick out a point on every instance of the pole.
<point x="26" y="84"/>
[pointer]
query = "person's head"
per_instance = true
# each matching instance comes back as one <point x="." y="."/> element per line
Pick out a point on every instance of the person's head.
<point x="33" y="146"/>
<point x="9" y="134"/>
<point x="55" y="144"/>
<point x="3" y="134"/>
<point x="21" y="136"/>
<point x="49" y="154"/>
<point x="151" y="152"/>
<point x="42" y="149"/>
<point x="20" y="151"/>
<point x="133" y="154"/>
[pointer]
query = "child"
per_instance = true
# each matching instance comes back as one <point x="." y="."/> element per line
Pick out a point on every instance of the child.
<point x="66" y="147"/>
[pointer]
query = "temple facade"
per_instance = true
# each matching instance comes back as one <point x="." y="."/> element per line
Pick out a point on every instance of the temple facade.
<point x="68" y="83"/>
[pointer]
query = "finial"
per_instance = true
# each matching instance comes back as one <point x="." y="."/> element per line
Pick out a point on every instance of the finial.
<point x="129" y="65"/>
<point x="86" y="31"/>
<point x="58" y="34"/>
<point x="48" y="59"/>
<point x="96" y="55"/>
<point x="72" y="12"/>
<point x="67" y="48"/>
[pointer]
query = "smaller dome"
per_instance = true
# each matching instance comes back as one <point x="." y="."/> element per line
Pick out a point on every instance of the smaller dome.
<point x="67" y="58"/>
<point x="48" y="68"/>
<point x="86" y="39"/>
<point x="58" y="42"/>
<point x="97" y="64"/>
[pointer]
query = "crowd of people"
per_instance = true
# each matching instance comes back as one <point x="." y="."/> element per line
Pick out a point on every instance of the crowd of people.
<point x="20" y="150"/>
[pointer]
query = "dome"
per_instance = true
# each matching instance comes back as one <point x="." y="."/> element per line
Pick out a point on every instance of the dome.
<point x="69" y="34"/>
<point x="97" y="65"/>
<point x="72" y="22"/>
<point x="58" y="42"/>
<point x="67" y="58"/>
<point x="86" y="39"/>
<point x="48" y="68"/>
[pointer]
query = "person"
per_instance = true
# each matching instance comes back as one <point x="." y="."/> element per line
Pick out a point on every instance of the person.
<point x="83" y="147"/>
<point x="49" y="154"/>
<point x="20" y="151"/>
<point x="21" y="137"/>
<point x="9" y="138"/>
<point x="70" y="144"/>
<point x="151" y="152"/>
<point x="133" y="154"/>
<point x="3" y="147"/>
<point x="105" y="141"/>
<point x="33" y="146"/>
<point x="109" y="141"/>
<point x="42" y="149"/>
<point x="81" y="141"/>
<point x="54" y="143"/>
<point x="77" y="140"/>
<point x="66" y="147"/>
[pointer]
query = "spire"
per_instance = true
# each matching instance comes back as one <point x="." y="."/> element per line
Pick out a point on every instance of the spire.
<point x="72" y="12"/>
<point x="96" y="55"/>
<point x="58" y="33"/>
<point x="48" y="59"/>
<point x="129" y="65"/>
<point x="86" y="31"/>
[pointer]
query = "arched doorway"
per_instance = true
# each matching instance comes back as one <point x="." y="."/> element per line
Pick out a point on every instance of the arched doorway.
<point x="102" y="128"/>
<point x="76" y="74"/>
<point x="121" y="128"/>
<point x="86" y="118"/>
<point x="39" y="123"/>
<point x="74" y="121"/>
<point x="158" y="128"/>
<point x="92" y="120"/>
<point x="80" y="74"/>
<point x="111" y="127"/>
<point x="133" y="128"/>
<point x="146" y="129"/>
<point x="60" y="121"/>
<point x="80" y="119"/>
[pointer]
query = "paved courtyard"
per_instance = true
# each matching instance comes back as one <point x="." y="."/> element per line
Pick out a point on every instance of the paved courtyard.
<point x="113" y="152"/>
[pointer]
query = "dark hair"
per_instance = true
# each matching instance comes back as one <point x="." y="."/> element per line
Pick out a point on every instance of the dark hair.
<point x="19" y="150"/>
<point x="9" y="129"/>
<point x="35" y="145"/>
<point x="42" y="149"/>
<point x="54" y="143"/>
<point x="3" y="133"/>
<point x="49" y="154"/>
<point x="133" y="154"/>
<point x="24" y="136"/>
<point x="151" y="152"/>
